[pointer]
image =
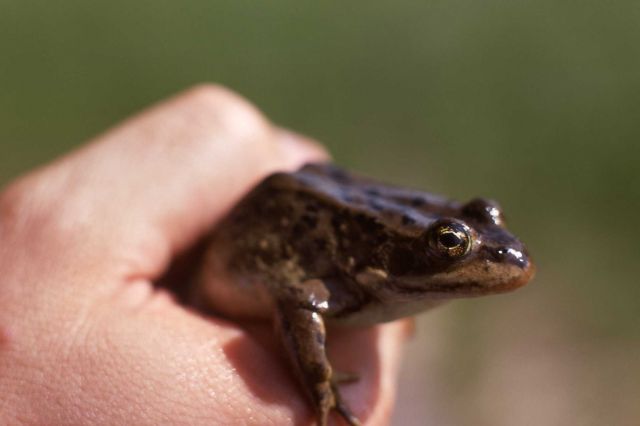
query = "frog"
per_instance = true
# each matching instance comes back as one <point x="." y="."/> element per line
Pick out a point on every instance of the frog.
<point x="322" y="247"/>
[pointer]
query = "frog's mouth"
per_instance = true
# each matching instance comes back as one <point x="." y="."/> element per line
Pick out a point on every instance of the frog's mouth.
<point x="484" y="277"/>
<point x="475" y="277"/>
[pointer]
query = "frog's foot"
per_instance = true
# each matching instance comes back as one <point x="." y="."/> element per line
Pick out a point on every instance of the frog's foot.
<point x="303" y="335"/>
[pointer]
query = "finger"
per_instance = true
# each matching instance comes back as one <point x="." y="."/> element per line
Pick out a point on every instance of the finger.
<point x="161" y="179"/>
<point x="374" y="354"/>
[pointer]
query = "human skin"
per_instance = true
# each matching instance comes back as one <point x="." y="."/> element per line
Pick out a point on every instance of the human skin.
<point x="86" y="337"/>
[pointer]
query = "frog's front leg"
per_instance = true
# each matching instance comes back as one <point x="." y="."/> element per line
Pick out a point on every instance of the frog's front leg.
<point x="301" y="328"/>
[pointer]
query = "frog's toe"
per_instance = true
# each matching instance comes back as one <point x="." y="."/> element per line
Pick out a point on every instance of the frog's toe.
<point x="340" y="377"/>
<point x="342" y="408"/>
<point x="323" y="409"/>
<point x="347" y="415"/>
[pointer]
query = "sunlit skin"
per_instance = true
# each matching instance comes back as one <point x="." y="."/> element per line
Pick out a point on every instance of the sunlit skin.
<point x="85" y="338"/>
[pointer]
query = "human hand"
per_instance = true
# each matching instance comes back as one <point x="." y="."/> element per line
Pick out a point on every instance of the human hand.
<point x="86" y="338"/>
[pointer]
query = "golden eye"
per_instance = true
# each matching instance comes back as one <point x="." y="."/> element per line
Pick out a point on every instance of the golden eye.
<point x="451" y="239"/>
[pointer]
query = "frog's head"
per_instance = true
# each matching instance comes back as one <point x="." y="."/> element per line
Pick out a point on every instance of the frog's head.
<point x="467" y="253"/>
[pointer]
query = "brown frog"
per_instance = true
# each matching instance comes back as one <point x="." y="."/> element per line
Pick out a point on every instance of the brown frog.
<point x="322" y="246"/>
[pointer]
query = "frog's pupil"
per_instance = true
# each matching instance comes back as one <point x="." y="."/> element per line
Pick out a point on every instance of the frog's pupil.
<point x="450" y="239"/>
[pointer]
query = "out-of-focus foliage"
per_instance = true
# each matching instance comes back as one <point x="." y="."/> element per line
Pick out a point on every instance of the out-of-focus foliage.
<point x="534" y="103"/>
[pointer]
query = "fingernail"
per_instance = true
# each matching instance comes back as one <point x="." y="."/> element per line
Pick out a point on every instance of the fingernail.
<point x="409" y="329"/>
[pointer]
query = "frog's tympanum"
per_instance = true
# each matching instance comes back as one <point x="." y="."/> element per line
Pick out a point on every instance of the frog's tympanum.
<point x="321" y="246"/>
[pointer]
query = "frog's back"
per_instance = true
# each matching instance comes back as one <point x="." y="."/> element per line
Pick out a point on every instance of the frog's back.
<point x="277" y="233"/>
<point x="321" y="218"/>
<point x="315" y="223"/>
<point x="287" y="222"/>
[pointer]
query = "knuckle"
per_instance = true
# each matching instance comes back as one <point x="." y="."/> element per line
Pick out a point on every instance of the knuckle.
<point x="226" y="108"/>
<point x="212" y="93"/>
<point x="28" y="204"/>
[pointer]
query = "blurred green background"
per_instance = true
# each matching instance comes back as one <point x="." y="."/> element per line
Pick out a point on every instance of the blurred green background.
<point x="533" y="103"/>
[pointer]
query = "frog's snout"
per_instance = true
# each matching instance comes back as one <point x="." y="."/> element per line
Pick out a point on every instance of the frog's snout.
<point x="513" y="256"/>
<point x="519" y="258"/>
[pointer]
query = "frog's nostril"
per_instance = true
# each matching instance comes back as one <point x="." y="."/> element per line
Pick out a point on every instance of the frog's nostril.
<point x="512" y="255"/>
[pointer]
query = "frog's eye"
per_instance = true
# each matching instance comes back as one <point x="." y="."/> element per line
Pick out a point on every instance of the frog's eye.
<point x="451" y="239"/>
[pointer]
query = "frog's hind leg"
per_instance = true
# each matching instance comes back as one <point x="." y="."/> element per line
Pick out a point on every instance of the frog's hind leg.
<point x="303" y="334"/>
